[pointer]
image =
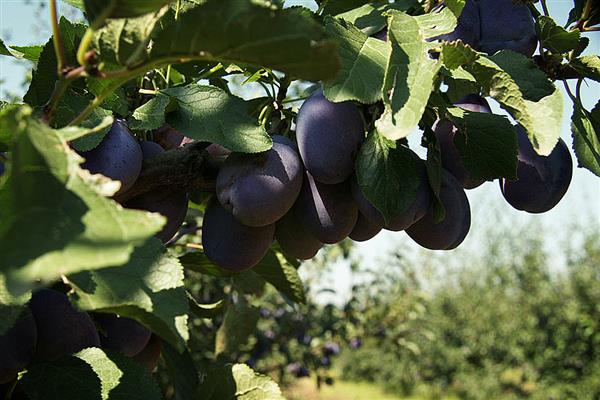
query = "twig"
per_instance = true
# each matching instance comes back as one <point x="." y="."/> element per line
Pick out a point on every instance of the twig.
<point x="84" y="45"/>
<point x="57" y="38"/>
<point x="545" y="8"/>
<point x="60" y="88"/>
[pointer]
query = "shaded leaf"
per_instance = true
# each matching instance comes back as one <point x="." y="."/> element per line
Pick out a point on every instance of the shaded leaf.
<point x="276" y="270"/>
<point x="239" y="323"/>
<point x="586" y="137"/>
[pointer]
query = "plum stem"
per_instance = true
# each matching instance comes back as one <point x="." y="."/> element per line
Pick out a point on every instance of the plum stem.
<point x="59" y="90"/>
<point x="59" y="48"/>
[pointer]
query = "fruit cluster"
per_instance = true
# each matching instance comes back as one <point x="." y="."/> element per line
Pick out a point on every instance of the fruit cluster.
<point x="50" y="328"/>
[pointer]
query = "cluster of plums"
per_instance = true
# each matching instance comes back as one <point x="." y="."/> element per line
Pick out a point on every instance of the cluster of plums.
<point x="50" y="328"/>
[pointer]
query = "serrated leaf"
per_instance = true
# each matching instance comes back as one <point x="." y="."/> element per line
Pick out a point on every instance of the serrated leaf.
<point x="554" y="37"/>
<point x="210" y="114"/>
<point x="8" y="51"/>
<point x="387" y="174"/>
<point x="238" y="382"/>
<point x="76" y="132"/>
<point x="586" y="137"/>
<point x="149" y="289"/>
<point x="487" y="144"/>
<point x="587" y="67"/>
<point x="532" y="82"/>
<point x="370" y="17"/>
<point x="241" y="31"/>
<point x="197" y="261"/>
<point x="541" y="119"/>
<point x="239" y="323"/>
<point x="275" y="269"/>
<point x="91" y="374"/>
<point x="363" y="63"/>
<point x="456" y="54"/>
<point x="31" y="53"/>
<point x="411" y="70"/>
<point x="53" y="221"/>
<point x="98" y="10"/>
<point x="182" y="371"/>
<point x="206" y="310"/>
<point x="151" y="115"/>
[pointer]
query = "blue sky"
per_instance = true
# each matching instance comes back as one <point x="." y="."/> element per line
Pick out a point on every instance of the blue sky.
<point x="580" y="207"/>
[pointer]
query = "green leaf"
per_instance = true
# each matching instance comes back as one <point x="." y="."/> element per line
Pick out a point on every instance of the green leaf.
<point x="456" y="54"/>
<point x="9" y="51"/>
<point x="333" y="7"/>
<point x="206" y="310"/>
<point x="387" y="174"/>
<point x="237" y="382"/>
<point x="554" y="37"/>
<point x="370" y="17"/>
<point x="239" y="323"/>
<point x="11" y="307"/>
<point x="364" y="61"/>
<point x="151" y="115"/>
<point x="45" y="74"/>
<point x="487" y="144"/>
<point x="532" y="82"/>
<point x="98" y="10"/>
<point x="276" y="270"/>
<point x="210" y="114"/>
<point x="90" y="374"/>
<point x="53" y="218"/>
<point x="586" y="137"/>
<point x="182" y="371"/>
<point x="197" y="261"/>
<point x="411" y="70"/>
<point x="149" y="289"/>
<point x="241" y="31"/>
<point x="31" y="53"/>
<point x="587" y="67"/>
<point x="541" y="119"/>
<point x="87" y="129"/>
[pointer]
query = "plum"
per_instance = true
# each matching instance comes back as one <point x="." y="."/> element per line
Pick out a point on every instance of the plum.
<point x="449" y="233"/>
<point x="231" y="245"/>
<point x="118" y="157"/>
<point x="17" y="347"/>
<point x="414" y="212"/>
<point x="364" y="229"/>
<point x="259" y="189"/>
<point x="169" y="138"/>
<point x="61" y="328"/>
<point x="122" y="334"/>
<point x="468" y="28"/>
<point x="328" y="212"/>
<point x="294" y="239"/>
<point x="446" y="132"/>
<point x="541" y="181"/>
<point x="150" y="355"/>
<point x="172" y="204"/>
<point x="329" y="136"/>
<point x="506" y="24"/>
<point x="382" y="35"/>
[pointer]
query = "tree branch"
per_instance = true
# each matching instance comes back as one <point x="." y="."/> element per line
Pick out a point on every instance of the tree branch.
<point x="59" y="49"/>
<point x="187" y="168"/>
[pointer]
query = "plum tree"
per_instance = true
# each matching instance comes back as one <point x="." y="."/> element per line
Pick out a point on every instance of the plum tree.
<point x="446" y="132"/>
<point x="172" y="205"/>
<point x="413" y="213"/>
<point x="450" y="232"/>
<point x="542" y="181"/>
<point x="364" y="229"/>
<point x="118" y="157"/>
<point x="150" y="355"/>
<point x="328" y="212"/>
<point x="122" y="334"/>
<point x="230" y="244"/>
<point x="17" y="347"/>
<point x="61" y="328"/>
<point x="468" y="28"/>
<point x="294" y="239"/>
<point x="259" y="189"/>
<point x="329" y="136"/>
<point x="506" y="24"/>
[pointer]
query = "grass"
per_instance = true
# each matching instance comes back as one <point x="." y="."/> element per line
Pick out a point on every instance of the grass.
<point x="305" y="389"/>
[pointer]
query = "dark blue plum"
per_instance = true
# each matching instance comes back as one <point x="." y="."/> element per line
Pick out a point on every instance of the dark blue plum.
<point x="61" y="328"/>
<point x="298" y="370"/>
<point x="446" y="132"/>
<point x="122" y="334"/>
<point x="150" y="355"/>
<point x="506" y="24"/>
<point x="17" y="347"/>
<point x="328" y="212"/>
<point x="171" y="204"/>
<point x="294" y="239"/>
<point x="449" y="233"/>
<point x="230" y="244"/>
<point x="118" y="157"/>
<point x="468" y="28"/>
<point x="542" y="181"/>
<point x="169" y="138"/>
<point x="329" y="136"/>
<point x="259" y="189"/>
<point x="364" y="229"/>
<point x="331" y="349"/>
